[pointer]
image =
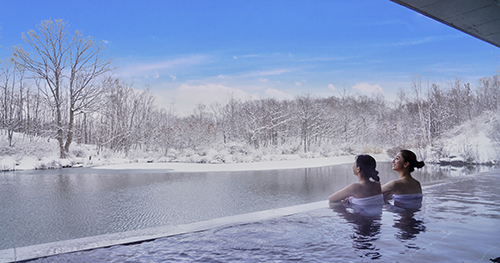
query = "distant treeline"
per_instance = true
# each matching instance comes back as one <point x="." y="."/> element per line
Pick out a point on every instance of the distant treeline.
<point x="75" y="100"/>
<point x="126" y="119"/>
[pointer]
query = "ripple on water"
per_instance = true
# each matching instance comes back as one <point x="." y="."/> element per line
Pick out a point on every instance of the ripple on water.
<point x="458" y="222"/>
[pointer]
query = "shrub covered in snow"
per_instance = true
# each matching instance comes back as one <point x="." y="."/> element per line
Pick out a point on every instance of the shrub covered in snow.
<point x="474" y="142"/>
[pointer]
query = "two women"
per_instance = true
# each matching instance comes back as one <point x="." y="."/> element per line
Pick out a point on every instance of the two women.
<point x="406" y="191"/>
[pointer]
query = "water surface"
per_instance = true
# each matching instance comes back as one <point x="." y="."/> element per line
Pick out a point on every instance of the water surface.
<point x="458" y="222"/>
<point x="45" y="206"/>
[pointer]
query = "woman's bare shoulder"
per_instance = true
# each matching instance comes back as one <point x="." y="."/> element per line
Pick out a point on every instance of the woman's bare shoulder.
<point x="392" y="185"/>
<point x="345" y="192"/>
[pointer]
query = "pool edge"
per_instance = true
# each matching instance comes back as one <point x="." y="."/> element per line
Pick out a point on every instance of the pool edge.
<point x="143" y="235"/>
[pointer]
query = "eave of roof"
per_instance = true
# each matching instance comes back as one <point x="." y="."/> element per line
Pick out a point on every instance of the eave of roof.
<point x="478" y="18"/>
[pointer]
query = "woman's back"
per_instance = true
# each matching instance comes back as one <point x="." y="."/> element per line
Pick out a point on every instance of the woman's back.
<point x="367" y="189"/>
<point x="369" y="185"/>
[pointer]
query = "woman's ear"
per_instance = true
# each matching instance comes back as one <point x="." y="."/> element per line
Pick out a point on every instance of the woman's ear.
<point x="406" y="164"/>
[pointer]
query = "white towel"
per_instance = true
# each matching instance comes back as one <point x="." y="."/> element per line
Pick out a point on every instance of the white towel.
<point x="412" y="201"/>
<point x="371" y="200"/>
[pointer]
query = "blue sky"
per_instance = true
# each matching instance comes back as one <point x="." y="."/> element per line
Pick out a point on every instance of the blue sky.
<point x="190" y="52"/>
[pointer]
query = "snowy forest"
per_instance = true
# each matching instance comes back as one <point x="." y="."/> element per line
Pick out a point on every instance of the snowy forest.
<point x="60" y="86"/>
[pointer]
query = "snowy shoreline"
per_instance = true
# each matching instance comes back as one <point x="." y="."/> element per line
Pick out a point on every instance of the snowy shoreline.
<point x="467" y="144"/>
<point x="254" y="166"/>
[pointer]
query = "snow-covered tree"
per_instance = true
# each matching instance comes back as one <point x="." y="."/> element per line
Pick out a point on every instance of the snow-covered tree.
<point x="12" y="86"/>
<point x="71" y="65"/>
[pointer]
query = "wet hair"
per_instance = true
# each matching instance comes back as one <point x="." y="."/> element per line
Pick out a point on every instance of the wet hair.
<point x="367" y="164"/>
<point x="410" y="157"/>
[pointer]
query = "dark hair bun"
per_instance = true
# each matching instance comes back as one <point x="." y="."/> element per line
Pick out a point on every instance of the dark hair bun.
<point x="375" y="176"/>
<point x="419" y="164"/>
<point x="410" y="157"/>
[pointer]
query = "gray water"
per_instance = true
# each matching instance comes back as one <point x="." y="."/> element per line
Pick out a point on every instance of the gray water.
<point x="45" y="206"/>
<point x="459" y="222"/>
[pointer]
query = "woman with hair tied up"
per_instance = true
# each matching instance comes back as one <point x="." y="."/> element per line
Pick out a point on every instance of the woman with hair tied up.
<point x="406" y="191"/>
<point x="368" y="190"/>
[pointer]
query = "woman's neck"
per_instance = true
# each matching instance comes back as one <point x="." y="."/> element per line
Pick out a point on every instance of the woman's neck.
<point x="404" y="174"/>
<point x="362" y="179"/>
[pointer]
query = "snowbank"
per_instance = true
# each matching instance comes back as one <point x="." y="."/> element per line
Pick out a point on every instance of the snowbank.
<point x="470" y="142"/>
<point x="270" y="165"/>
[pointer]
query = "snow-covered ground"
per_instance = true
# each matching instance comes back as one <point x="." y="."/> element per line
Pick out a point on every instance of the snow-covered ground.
<point x="268" y="165"/>
<point x="476" y="141"/>
<point x="118" y="161"/>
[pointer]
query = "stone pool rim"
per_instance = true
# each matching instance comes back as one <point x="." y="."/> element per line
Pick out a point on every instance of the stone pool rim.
<point x="148" y="234"/>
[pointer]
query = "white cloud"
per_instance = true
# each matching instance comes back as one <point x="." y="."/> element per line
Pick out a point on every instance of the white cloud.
<point x="427" y="40"/>
<point x="173" y="77"/>
<point x="263" y="80"/>
<point x="330" y="86"/>
<point x="105" y="41"/>
<point x="367" y="88"/>
<point x="153" y="68"/>
<point x="154" y="75"/>
<point x="300" y="82"/>
<point x="186" y="97"/>
<point x="251" y="56"/>
<point x="265" y="73"/>
<point x="278" y="94"/>
<point x="414" y="42"/>
<point x="247" y="56"/>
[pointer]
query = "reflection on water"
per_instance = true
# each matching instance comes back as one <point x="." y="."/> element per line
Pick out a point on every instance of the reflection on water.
<point x="366" y="222"/>
<point x="405" y="209"/>
<point x="45" y="206"/>
<point x="438" y="232"/>
<point x="407" y="224"/>
<point x="409" y="227"/>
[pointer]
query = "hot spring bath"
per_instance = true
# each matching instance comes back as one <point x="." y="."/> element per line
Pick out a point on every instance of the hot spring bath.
<point x="459" y="221"/>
